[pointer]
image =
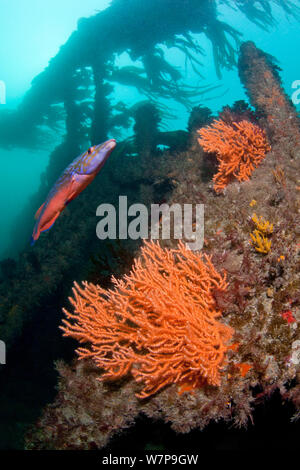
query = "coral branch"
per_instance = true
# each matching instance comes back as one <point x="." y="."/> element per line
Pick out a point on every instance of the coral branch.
<point x="240" y="148"/>
<point x="159" y="322"/>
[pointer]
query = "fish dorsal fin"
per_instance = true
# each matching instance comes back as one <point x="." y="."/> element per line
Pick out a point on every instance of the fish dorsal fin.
<point x="38" y="212"/>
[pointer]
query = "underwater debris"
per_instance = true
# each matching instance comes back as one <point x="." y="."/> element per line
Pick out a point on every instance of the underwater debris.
<point x="200" y="116"/>
<point x="259" y="74"/>
<point x="147" y="119"/>
<point x="240" y="148"/>
<point x="159" y="323"/>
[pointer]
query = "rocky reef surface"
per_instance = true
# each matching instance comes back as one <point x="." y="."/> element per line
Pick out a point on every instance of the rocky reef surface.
<point x="261" y="303"/>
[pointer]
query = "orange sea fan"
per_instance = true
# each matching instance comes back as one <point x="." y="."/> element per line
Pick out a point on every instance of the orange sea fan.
<point x="240" y="147"/>
<point x="159" y="323"/>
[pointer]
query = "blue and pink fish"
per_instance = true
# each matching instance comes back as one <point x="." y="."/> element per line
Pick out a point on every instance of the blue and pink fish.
<point x="76" y="177"/>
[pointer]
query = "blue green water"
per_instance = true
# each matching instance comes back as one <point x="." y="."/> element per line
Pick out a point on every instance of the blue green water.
<point x="31" y="34"/>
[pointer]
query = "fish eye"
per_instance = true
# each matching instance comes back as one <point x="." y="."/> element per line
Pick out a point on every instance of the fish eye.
<point x="90" y="150"/>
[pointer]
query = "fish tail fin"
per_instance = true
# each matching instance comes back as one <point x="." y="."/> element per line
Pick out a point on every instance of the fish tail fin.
<point x="35" y="234"/>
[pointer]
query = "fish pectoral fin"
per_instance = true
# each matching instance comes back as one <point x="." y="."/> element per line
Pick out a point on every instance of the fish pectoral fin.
<point x="70" y="198"/>
<point x="78" y="183"/>
<point x="48" y="225"/>
<point x="38" y="212"/>
<point x="73" y="193"/>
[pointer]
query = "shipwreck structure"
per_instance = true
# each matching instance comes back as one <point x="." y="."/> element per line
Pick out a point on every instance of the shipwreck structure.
<point x="72" y="97"/>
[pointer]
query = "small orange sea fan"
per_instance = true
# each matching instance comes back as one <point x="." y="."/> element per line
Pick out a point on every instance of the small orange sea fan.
<point x="240" y="148"/>
<point x="159" y="323"/>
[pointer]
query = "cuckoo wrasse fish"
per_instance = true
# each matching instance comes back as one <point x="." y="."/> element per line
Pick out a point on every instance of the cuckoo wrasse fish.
<point x="76" y="177"/>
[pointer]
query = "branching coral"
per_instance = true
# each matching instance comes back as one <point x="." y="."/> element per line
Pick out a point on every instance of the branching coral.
<point x="260" y="242"/>
<point x="262" y="225"/>
<point x="240" y="148"/>
<point x="259" y="237"/>
<point x="159" y="322"/>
